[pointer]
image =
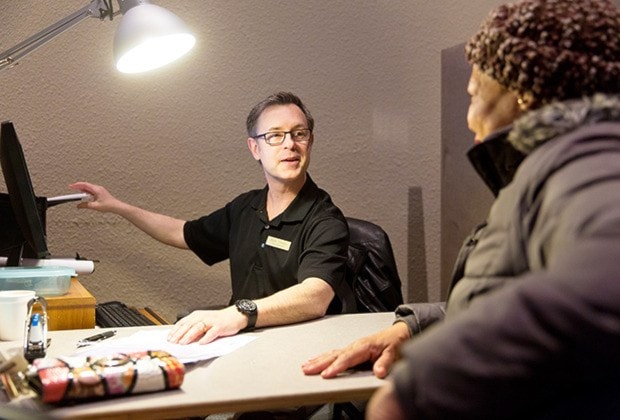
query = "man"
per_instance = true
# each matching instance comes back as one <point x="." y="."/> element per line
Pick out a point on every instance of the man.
<point x="287" y="243"/>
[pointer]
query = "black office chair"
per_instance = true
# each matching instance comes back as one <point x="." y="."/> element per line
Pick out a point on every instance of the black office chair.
<point x="371" y="268"/>
<point x="373" y="276"/>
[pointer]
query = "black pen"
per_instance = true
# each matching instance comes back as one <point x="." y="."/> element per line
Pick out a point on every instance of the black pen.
<point x="96" y="338"/>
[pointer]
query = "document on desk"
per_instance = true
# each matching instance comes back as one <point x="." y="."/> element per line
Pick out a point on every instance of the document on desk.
<point x="156" y="339"/>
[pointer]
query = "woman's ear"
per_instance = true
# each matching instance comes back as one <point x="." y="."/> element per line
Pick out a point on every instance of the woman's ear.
<point x="525" y="101"/>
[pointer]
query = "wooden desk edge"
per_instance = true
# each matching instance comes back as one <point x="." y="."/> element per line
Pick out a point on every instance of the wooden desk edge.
<point x="73" y="310"/>
<point x="77" y="294"/>
<point x="153" y="316"/>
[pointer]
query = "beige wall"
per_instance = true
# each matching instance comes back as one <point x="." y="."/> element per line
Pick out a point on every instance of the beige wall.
<point x="173" y="141"/>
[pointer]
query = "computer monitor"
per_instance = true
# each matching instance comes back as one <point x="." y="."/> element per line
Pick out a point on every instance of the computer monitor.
<point x="22" y="223"/>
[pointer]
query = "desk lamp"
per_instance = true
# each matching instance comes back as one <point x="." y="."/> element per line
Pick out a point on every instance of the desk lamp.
<point x="147" y="37"/>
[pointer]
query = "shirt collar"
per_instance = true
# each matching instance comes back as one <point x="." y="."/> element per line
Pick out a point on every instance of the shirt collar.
<point x="296" y="211"/>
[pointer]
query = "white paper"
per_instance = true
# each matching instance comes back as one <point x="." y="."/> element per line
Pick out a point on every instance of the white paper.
<point x="156" y="339"/>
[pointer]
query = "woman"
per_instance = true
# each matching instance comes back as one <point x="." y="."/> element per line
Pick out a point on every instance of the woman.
<point x="532" y="319"/>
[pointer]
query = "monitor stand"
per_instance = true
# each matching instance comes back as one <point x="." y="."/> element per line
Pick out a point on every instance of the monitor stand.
<point x="14" y="256"/>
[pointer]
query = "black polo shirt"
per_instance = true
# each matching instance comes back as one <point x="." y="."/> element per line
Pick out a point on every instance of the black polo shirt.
<point x="309" y="239"/>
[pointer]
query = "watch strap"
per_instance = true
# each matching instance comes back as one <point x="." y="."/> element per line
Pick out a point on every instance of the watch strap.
<point x="249" y="309"/>
<point x="251" y="321"/>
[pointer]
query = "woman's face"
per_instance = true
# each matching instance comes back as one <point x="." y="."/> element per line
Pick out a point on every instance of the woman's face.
<point x="492" y="105"/>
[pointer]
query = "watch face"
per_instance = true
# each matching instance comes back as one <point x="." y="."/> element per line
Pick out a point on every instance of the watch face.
<point x="246" y="306"/>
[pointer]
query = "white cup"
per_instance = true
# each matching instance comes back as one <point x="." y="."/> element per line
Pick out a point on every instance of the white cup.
<point x="13" y="313"/>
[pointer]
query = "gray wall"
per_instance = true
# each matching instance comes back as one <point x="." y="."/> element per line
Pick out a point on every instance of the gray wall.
<point x="465" y="199"/>
<point x="173" y="141"/>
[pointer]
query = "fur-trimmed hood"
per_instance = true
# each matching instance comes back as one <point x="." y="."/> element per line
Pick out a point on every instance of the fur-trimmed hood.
<point x="497" y="158"/>
<point x="539" y="126"/>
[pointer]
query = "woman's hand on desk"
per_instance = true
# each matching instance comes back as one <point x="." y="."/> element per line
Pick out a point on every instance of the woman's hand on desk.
<point x="206" y="326"/>
<point x="381" y="349"/>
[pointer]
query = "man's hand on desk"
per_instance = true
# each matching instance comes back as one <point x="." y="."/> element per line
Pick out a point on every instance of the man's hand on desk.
<point x="206" y="326"/>
<point x="381" y="349"/>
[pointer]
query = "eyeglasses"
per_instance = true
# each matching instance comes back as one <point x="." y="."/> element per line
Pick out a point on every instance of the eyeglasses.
<point x="275" y="138"/>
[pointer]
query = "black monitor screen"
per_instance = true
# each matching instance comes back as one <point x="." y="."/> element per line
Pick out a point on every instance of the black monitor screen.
<point x="28" y="210"/>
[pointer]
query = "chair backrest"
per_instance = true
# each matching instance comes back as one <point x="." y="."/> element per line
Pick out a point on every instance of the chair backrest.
<point x="371" y="268"/>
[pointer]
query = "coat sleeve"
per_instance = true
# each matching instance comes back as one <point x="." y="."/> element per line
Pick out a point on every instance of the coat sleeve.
<point x="419" y="316"/>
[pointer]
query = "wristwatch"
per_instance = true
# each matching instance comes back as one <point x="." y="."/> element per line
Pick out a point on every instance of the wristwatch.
<point x="248" y="307"/>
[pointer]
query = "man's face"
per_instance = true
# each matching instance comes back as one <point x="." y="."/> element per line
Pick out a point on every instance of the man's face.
<point x="288" y="162"/>
<point x="492" y="105"/>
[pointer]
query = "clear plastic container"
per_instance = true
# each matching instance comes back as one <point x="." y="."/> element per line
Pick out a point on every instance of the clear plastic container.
<point x="45" y="281"/>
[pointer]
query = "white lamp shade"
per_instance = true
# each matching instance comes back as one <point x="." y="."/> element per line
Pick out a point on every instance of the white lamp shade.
<point x="149" y="37"/>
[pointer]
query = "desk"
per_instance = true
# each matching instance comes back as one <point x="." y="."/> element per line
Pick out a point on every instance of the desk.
<point x="75" y="309"/>
<point x="265" y="374"/>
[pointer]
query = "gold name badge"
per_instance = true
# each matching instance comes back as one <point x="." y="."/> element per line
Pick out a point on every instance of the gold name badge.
<point x="278" y="243"/>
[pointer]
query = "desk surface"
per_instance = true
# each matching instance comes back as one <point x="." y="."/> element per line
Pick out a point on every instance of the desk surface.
<point x="264" y="374"/>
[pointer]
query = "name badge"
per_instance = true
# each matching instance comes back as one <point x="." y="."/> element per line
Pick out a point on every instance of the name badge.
<point x="278" y="243"/>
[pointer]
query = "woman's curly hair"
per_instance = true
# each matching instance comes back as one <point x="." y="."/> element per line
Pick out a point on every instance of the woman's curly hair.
<point x="551" y="49"/>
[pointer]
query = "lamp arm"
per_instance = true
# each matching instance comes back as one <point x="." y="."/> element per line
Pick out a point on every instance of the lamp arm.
<point x="97" y="8"/>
